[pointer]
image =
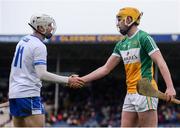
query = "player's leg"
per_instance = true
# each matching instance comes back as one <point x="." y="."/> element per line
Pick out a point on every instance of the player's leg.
<point x="18" y="122"/>
<point x="147" y="111"/>
<point x="30" y="110"/>
<point x="148" y="118"/>
<point x="29" y="121"/>
<point x="15" y="111"/>
<point x="129" y="119"/>
<point x="37" y="117"/>
<point x="35" y="120"/>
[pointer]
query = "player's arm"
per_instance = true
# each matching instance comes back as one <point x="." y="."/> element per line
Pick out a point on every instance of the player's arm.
<point x="159" y="60"/>
<point x="40" y="57"/>
<point x="153" y="51"/>
<point x="43" y="74"/>
<point x="111" y="63"/>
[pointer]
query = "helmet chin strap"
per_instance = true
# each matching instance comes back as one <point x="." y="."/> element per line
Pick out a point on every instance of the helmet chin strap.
<point x="46" y="35"/>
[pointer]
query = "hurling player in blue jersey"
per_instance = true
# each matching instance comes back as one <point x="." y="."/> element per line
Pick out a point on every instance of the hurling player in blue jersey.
<point x="28" y="69"/>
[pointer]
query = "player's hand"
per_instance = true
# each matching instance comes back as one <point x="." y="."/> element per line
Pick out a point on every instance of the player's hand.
<point x="170" y="94"/>
<point x="6" y="104"/>
<point x="75" y="81"/>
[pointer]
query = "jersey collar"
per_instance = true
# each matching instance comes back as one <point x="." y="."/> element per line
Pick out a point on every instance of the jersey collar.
<point x="37" y="38"/>
<point x="133" y="34"/>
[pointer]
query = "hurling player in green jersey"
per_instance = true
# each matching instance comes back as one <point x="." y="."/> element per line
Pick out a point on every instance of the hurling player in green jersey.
<point x="138" y="51"/>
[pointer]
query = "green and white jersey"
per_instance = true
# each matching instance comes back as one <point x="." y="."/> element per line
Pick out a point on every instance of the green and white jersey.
<point x="135" y="52"/>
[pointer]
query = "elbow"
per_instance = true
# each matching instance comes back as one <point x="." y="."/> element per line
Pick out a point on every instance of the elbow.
<point x="41" y="75"/>
<point x="106" y="71"/>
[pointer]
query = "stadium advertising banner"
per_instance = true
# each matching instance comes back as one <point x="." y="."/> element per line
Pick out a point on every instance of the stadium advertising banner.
<point x="90" y="38"/>
<point x="86" y="38"/>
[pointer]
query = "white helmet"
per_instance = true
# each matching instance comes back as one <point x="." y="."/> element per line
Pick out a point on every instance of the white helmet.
<point x="44" y="21"/>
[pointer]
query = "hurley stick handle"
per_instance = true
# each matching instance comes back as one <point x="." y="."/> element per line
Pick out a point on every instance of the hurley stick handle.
<point x="145" y="88"/>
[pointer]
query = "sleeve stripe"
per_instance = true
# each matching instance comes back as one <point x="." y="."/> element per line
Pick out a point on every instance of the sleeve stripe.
<point x="152" y="42"/>
<point x="153" y="51"/>
<point x="40" y="63"/>
<point x="115" y="54"/>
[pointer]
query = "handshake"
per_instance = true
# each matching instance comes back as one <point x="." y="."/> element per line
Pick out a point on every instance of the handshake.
<point x="75" y="81"/>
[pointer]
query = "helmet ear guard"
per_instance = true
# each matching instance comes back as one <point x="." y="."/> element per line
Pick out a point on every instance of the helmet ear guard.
<point x="44" y="21"/>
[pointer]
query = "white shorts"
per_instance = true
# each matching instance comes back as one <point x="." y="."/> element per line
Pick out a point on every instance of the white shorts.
<point x="138" y="103"/>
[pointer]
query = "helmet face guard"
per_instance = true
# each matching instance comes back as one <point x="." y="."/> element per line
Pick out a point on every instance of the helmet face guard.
<point x="45" y="21"/>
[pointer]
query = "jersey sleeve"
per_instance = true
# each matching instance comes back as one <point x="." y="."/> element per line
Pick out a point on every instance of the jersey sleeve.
<point x="149" y="45"/>
<point x="116" y="51"/>
<point x="40" y="55"/>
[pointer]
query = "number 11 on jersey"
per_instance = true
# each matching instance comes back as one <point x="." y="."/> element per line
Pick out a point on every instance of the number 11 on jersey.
<point x="18" y="57"/>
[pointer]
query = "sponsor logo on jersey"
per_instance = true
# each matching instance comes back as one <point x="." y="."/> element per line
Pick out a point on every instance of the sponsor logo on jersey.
<point x="131" y="55"/>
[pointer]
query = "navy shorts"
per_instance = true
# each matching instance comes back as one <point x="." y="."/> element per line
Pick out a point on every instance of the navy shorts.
<point x="26" y="106"/>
